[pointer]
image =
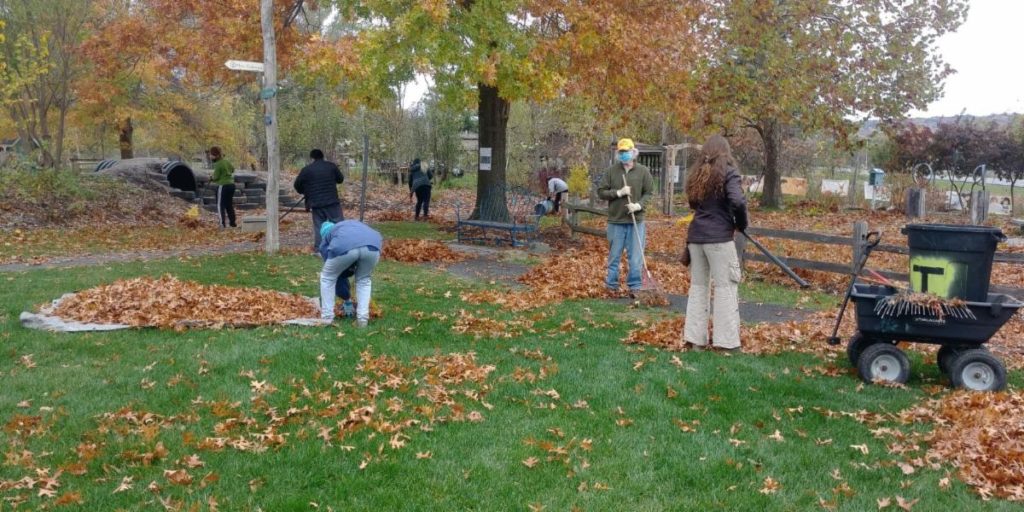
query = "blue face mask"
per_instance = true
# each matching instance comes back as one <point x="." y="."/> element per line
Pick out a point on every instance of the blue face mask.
<point x="626" y="157"/>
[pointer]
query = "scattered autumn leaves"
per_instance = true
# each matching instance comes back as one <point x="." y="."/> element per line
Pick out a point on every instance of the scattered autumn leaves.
<point x="979" y="433"/>
<point x="381" y="407"/>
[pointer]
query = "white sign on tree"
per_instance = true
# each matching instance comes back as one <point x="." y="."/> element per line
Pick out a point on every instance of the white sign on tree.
<point x="485" y="159"/>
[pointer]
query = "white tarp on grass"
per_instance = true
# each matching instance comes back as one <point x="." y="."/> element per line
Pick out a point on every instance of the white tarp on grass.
<point x="45" y="320"/>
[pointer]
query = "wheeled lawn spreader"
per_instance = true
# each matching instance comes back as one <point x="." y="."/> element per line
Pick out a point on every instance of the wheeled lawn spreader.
<point x="950" y="306"/>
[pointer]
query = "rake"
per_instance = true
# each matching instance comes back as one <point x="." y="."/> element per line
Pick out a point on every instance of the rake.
<point x="923" y="305"/>
<point x="650" y="291"/>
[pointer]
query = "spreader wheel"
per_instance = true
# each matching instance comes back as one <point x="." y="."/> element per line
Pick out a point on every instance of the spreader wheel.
<point x="858" y="342"/>
<point x="947" y="354"/>
<point x="883" y="362"/>
<point x="978" y="370"/>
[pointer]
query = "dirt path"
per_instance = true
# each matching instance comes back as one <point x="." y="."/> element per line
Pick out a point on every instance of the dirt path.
<point x="288" y="241"/>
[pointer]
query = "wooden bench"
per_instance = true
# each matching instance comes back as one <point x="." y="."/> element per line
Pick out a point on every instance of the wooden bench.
<point x="523" y="228"/>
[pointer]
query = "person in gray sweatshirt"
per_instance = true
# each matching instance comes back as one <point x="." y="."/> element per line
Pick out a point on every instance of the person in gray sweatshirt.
<point x="343" y="245"/>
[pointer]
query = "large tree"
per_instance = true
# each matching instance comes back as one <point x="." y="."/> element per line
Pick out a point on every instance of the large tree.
<point x="160" y="63"/>
<point x="51" y="30"/>
<point x="497" y="51"/>
<point x="818" y="64"/>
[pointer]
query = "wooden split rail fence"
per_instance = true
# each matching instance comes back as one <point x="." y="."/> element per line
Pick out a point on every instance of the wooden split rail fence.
<point x="854" y="243"/>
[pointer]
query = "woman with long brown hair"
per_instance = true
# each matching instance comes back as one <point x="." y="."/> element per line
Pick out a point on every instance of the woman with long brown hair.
<point x="715" y="194"/>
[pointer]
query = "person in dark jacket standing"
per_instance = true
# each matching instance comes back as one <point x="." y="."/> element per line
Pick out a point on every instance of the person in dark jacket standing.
<point x="224" y="178"/>
<point x="318" y="182"/>
<point x="627" y="186"/>
<point x="715" y="193"/>
<point x="419" y="183"/>
<point x="344" y="245"/>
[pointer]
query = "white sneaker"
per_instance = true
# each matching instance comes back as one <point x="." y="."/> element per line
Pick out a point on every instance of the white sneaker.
<point x="361" y="323"/>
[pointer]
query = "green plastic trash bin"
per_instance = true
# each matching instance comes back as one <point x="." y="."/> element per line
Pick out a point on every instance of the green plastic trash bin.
<point x="951" y="260"/>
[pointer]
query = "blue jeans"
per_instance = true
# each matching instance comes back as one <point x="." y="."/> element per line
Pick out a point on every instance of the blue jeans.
<point x="622" y="237"/>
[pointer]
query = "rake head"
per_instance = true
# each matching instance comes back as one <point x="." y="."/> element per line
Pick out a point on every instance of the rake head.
<point x="650" y="292"/>
<point x="920" y="304"/>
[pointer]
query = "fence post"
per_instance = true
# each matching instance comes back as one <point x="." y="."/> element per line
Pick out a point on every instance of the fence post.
<point x="572" y="220"/>
<point x="979" y="206"/>
<point x="915" y="202"/>
<point x="860" y="231"/>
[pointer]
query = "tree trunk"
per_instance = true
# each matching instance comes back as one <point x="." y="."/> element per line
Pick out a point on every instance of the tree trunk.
<point x="1013" y="201"/>
<point x="772" y="195"/>
<point x="58" y="152"/>
<point x="490" y="186"/>
<point x="43" y="103"/>
<point x="124" y="137"/>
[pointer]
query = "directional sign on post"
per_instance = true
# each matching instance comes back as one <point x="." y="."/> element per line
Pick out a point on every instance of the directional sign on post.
<point x="245" y="65"/>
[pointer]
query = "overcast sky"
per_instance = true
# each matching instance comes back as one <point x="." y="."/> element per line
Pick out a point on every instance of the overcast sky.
<point x="985" y="53"/>
<point x="989" y="76"/>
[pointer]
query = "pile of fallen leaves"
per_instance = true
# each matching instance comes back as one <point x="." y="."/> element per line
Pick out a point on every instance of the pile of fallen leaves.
<point x="420" y="251"/>
<point x="979" y="433"/>
<point x="808" y="335"/>
<point x="170" y="303"/>
<point x="1008" y="343"/>
<point x="580" y="273"/>
<point x="666" y="334"/>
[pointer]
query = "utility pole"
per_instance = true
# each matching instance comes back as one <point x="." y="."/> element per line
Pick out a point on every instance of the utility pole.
<point x="269" y="96"/>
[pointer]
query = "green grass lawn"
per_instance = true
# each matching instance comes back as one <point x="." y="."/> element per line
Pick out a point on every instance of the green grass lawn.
<point x="409" y="229"/>
<point x="570" y="418"/>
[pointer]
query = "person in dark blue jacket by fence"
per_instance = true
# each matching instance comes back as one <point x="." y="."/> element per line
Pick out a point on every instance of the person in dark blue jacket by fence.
<point x="318" y="182"/>
<point x="343" y="245"/>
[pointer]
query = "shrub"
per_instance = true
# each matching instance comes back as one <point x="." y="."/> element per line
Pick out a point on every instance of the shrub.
<point x="54" y="195"/>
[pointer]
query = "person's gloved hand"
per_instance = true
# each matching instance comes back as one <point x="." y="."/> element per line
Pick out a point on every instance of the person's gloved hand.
<point x="633" y="207"/>
<point x="624" y="191"/>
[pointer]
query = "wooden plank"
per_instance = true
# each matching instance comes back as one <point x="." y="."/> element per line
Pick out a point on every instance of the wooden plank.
<point x="1008" y="257"/>
<point x="894" y="249"/>
<point x="999" y="257"/>
<point x="898" y="276"/>
<point x="837" y="268"/>
<point x="801" y="236"/>
<point x="590" y="231"/>
<point x="1008" y="290"/>
<point x="588" y="209"/>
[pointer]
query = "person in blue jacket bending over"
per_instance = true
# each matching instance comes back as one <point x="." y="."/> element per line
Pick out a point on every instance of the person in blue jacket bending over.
<point x="343" y="245"/>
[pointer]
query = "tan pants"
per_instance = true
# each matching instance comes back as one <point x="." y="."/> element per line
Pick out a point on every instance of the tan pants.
<point x="718" y="264"/>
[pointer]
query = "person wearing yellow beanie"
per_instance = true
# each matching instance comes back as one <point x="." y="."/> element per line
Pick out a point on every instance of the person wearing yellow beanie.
<point x="627" y="186"/>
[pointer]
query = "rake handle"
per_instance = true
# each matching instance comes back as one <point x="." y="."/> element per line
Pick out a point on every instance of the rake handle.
<point x="636" y="231"/>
